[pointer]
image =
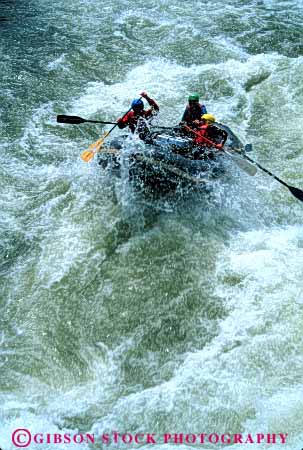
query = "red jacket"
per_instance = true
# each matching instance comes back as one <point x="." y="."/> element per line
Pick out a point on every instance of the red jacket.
<point x="209" y="136"/>
<point x="201" y="132"/>
<point x="131" y="119"/>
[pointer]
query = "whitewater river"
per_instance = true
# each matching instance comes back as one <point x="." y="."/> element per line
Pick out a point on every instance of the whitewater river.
<point x="123" y="314"/>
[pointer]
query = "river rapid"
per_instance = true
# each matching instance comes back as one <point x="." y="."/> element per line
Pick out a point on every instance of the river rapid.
<point x="120" y="313"/>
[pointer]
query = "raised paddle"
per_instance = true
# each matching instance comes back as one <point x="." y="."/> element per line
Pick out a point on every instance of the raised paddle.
<point x="298" y="193"/>
<point x="75" y="120"/>
<point x="244" y="165"/>
<point x="94" y="148"/>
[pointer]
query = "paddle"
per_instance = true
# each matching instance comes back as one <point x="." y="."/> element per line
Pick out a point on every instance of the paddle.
<point x="298" y="193"/>
<point x="88" y="155"/>
<point x="244" y="165"/>
<point x="75" y="120"/>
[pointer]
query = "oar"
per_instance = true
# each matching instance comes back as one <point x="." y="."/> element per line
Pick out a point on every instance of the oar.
<point x="298" y="193"/>
<point x="75" y="120"/>
<point x="88" y="155"/>
<point x="244" y="165"/>
<point x="250" y="169"/>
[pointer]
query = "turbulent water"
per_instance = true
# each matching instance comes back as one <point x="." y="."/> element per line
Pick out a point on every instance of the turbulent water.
<point x="121" y="313"/>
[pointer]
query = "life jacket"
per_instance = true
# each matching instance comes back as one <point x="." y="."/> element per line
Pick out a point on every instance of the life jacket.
<point x="193" y="113"/>
<point x="202" y="130"/>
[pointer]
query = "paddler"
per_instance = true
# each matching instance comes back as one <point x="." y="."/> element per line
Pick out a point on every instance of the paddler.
<point x="137" y="119"/>
<point x="193" y="112"/>
<point x="207" y="135"/>
<point x="206" y="129"/>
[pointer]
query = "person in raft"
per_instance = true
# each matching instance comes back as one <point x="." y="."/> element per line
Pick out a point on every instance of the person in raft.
<point x="206" y="136"/>
<point x="137" y="119"/>
<point x="193" y="112"/>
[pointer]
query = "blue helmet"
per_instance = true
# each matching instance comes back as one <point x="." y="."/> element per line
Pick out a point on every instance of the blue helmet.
<point x="137" y="104"/>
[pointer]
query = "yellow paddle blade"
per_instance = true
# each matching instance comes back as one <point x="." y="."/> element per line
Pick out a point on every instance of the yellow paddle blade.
<point x="96" y="145"/>
<point x="88" y="155"/>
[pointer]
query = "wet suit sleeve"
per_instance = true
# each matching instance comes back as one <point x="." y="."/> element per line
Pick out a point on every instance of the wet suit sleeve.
<point x="154" y="106"/>
<point x="124" y="121"/>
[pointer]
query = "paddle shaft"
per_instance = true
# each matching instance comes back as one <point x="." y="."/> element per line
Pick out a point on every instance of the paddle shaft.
<point x="208" y="141"/>
<point x="117" y="122"/>
<point x="76" y="120"/>
<point x="101" y="121"/>
<point x="250" y="169"/>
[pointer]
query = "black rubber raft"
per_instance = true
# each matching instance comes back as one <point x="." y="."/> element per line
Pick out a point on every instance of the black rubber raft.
<point x="167" y="162"/>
